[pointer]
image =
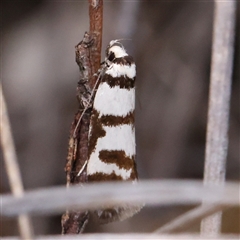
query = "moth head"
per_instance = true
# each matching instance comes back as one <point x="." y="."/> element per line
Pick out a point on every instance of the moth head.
<point x="115" y="50"/>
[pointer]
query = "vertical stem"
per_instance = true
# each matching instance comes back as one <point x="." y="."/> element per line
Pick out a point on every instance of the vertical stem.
<point x="96" y="23"/>
<point x="12" y="167"/>
<point x="88" y="58"/>
<point x="219" y="103"/>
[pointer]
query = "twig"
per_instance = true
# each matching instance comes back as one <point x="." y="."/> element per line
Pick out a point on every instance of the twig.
<point x="12" y="167"/>
<point x="96" y="24"/>
<point x="88" y="57"/>
<point x="219" y="102"/>
<point x="114" y="194"/>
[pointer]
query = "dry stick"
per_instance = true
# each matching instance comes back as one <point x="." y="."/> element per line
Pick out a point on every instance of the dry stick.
<point x="96" y="25"/>
<point x="12" y="167"/>
<point x="73" y="222"/>
<point x="219" y="102"/>
<point x="88" y="57"/>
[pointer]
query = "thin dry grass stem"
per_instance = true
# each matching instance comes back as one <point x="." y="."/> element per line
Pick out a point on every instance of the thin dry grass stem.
<point x="128" y="236"/>
<point x="12" y="167"/>
<point x="154" y="193"/>
<point x="188" y="219"/>
<point x="219" y="102"/>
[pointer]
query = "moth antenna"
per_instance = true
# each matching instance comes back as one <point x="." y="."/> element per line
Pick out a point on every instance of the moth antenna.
<point x="81" y="170"/>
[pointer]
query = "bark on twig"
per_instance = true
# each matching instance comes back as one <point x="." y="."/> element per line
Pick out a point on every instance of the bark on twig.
<point x="12" y="167"/>
<point x="88" y="57"/>
<point x="96" y="23"/>
<point x="219" y="103"/>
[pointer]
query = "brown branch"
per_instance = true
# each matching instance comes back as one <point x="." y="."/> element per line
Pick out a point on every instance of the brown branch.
<point x="12" y="167"/>
<point x="74" y="221"/>
<point x="96" y="23"/>
<point x="88" y="57"/>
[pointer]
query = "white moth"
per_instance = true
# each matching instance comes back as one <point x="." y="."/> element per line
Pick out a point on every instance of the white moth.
<point x="112" y="146"/>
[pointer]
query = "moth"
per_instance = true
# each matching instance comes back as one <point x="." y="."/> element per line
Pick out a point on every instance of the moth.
<point x="111" y="146"/>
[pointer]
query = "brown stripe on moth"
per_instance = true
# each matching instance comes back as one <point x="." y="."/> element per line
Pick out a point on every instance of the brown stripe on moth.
<point x="97" y="131"/>
<point x="134" y="173"/>
<point x="97" y="177"/>
<point x="111" y="120"/>
<point x="117" y="157"/>
<point x="126" y="60"/>
<point x="123" y="81"/>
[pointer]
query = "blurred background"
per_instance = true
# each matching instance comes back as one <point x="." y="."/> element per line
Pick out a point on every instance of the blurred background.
<point x="171" y="44"/>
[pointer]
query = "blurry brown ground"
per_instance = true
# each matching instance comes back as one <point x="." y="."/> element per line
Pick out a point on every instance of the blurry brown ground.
<point x="171" y="44"/>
